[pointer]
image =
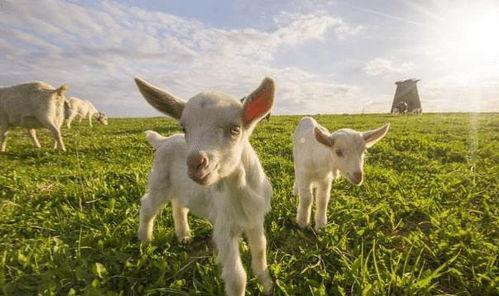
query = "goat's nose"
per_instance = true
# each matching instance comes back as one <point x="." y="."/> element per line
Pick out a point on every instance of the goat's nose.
<point x="358" y="176"/>
<point x="197" y="161"/>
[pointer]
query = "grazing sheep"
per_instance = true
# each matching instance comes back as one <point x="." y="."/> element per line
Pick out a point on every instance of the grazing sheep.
<point x="32" y="105"/>
<point x="213" y="171"/>
<point x="78" y="108"/>
<point x="319" y="158"/>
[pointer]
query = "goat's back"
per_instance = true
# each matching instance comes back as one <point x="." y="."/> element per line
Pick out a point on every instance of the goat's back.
<point x="308" y="153"/>
<point x="28" y="101"/>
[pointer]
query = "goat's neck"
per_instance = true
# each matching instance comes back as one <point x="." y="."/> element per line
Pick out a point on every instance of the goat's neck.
<point x="331" y="161"/>
<point x="248" y="172"/>
<point x="248" y="190"/>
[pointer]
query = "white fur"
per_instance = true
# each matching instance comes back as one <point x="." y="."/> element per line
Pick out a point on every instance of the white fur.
<point x="79" y="109"/>
<point x="416" y="111"/>
<point x="235" y="195"/>
<point x="32" y="105"/>
<point x="317" y="165"/>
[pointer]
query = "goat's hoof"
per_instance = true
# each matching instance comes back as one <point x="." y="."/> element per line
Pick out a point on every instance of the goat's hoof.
<point x="185" y="239"/>
<point x="269" y="292"/>
<point x="143" y="237"/>
<point x="318" y="231"/>
<point x="319" y="227"/>
<point x="302" y="225"/>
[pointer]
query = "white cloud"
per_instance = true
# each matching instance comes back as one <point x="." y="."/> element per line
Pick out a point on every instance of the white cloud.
<point x="295" y="28"/>
<point x="380" y="66"/>
<point x="98" y="49"/>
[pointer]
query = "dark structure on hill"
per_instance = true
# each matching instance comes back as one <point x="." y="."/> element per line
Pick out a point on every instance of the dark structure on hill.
<point x="406" y="98"/>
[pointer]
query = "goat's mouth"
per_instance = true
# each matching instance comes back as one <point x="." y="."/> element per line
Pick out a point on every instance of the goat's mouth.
<point x="202" y="178"/>
<point x="355" y="181"/>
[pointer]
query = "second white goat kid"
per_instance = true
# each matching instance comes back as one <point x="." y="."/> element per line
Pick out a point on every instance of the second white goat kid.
<point x="212" y="171"/>
<point x="320" y="157"/>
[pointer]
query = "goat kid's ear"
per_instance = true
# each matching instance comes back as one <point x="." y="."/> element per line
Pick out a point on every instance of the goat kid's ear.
<point x="160" y="99"/>
<point x="373" y="136"/>
<point x="323" y="137"/>
<point x="259" y="103"/>
<point x="62" y="89"/>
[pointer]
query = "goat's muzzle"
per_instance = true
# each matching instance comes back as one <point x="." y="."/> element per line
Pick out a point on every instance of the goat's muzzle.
<point x="356" y="178"/>
<point x="198" y="167"/>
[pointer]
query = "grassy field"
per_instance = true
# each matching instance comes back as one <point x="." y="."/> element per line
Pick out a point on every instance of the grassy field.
<point x="425" y="221"/>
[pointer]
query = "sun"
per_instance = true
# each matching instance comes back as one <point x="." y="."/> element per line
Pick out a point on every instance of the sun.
<point x="466" y="36"/>
<point x="480" y="36"/>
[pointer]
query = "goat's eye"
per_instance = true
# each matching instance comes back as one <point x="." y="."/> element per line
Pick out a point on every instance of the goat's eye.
<point x="339" y="153"/>
<point x="183" y="129"/>
<point x="235" y="130"/>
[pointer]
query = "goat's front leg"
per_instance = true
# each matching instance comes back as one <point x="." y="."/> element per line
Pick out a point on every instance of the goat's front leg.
<point x="258" y="247"/>
<point x="305" y="203"/>
<point x="70" y="119"/>
<point x="34" y="139"/>
<point x="3" y="137"/>
<point x="181" y="222"/>
<point x="56" y="133"/>
<point x="323" y="192"/>
<point x="150" y="204"/>
<point x="233" y="272"/>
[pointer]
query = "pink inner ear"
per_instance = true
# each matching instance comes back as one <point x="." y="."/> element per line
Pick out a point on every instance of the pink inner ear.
<point x="257" y="107"/>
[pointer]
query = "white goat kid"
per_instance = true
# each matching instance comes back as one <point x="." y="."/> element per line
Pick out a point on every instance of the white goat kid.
<point x="32" y="105"/>
<point x="214" y="172"/>
<point x="320" y="157"/>
<point x="93" y="112"/>
<point x="75" y="108"/>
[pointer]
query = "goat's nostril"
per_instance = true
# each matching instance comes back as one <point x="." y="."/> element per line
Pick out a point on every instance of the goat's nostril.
<point x="197" y="161"/>
<point x="203" y="162"/>
<point x="358" y="176"/>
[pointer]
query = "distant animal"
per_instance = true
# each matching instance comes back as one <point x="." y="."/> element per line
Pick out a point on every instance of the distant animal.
<point x="416" y="111"/>
<point x="75" y="108"/>
<point x="320" y="157"/>
<point x="32" y="106"/>
<point x="213" y="171"/>
<point x="401" y="108"/>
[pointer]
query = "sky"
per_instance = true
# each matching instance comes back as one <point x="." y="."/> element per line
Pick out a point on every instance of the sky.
<point x="325" y="56"/>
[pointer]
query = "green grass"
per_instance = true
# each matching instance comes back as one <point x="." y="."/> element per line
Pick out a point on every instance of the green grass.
<point x="425" y="221"/>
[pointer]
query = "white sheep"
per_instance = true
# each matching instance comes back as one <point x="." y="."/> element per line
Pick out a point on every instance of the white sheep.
<point x="213" y="171"/>
<point x="32" y="105"/>
<point x="76" y="108"/>
<point x="320" y="157"/>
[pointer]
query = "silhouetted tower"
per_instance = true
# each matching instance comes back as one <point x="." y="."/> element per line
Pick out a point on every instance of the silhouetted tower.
<point x="406" y="98"/>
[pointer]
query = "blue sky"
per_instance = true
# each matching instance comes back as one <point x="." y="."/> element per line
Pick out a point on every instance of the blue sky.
<point x="325" y="56"/>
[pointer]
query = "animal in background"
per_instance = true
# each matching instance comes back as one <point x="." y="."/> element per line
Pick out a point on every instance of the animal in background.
<point x="75" y="108"/>
<point x="32" y="106"/>
<point x="320" y="157"/>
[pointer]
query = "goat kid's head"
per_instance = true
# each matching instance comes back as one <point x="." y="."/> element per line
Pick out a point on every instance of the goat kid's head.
<point x="348" y="148"/>
<point x="216" y="126"/>
<point x="101" y="117"/>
